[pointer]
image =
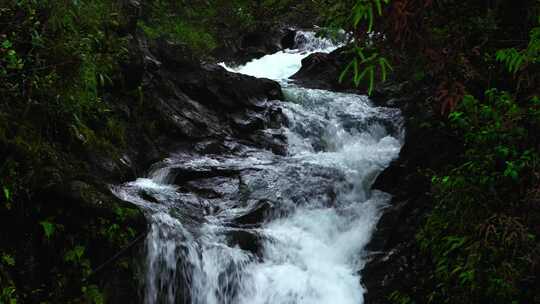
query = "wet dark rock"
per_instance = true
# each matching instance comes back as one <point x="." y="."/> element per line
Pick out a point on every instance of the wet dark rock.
<point x="245" y="239"/>
<point x="249" y="121"/>
<point x="211" y="146"/>
<point x="170" y="55"/>
<point x="214" y="86"/>
<point x="216" y="187"/>
<point x="186" y="118"/>
<point x="396" y="258"/>
<point x="256" y="215"/>
<point x="183" y="175"/>
<point x="148" y="197"/>
<point x="265" y="40"/>
<point x="200" y="101"/>
<point x="322" y="187"/>
<point x="389" y="90"/>
<point x="262" y="40"/>
<point x="288" y="40"/>
<point x="270" y="139"/>
<point x="322" y="71"/>
<point x="275" y="117"/>
<point x="187" y="103"/>
<point x="218" y="146"/>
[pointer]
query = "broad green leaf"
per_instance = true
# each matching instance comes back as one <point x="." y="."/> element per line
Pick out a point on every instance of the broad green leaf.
<point x="371" y="79"/>
<point x="75" y="254"/>
<point x="344" y="73"/>
<point x="359" y="77"/>
<point x="6" y="44"/>
<point x="48" y="228"/>
<point x="379" y="7"/>
<point x="7" y="193"/>
<point x="370" y="18"/>
<point x="8" y="260"/>
<point x="361" y="54"/>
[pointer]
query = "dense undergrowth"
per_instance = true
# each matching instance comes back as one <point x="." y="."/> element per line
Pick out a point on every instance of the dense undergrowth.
<point x="56" y="60"/>
<point x="479" y="60"/>
<point x="62" y="84"/>
<point x="482" y="234"/>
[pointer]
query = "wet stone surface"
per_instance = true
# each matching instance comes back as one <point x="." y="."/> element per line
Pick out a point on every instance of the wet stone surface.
<point x="279" y="209"/>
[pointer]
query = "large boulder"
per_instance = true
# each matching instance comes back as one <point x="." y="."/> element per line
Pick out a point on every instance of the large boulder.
<point x="264" y="40"/>
<point x="163" y="100"/>
<point x="322" y="71"/>
<point x="198" y="101"/>
<point x="182" y="102"/>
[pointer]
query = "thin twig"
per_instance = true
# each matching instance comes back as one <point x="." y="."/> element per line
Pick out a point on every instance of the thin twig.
<point x="117" y="255"/>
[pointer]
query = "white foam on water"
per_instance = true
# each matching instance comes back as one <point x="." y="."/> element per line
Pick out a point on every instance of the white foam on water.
<point x="283" y="64"/>
<point x="310" y="251"/>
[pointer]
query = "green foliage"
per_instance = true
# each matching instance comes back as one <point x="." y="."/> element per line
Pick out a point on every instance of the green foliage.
<point x="57" y="59"/>
<point x="398" y="298"/>
<point x="48" y="228"/>
<point x="7" y="295"/>
<point x="479" y="242"/>
<point x="93" y="295"/>
<point x="202" y="26"/>
<point x="7" y="193"/>
<point x="60" y="34"/>
<point x="179" y="31"/>
<point x="75" y="255"/>
<point x="511" y="58"/>
<point x="10" y="60"/>
<point x="368" y="64"/>
<point x="516" y="60"/>
<point x="481" y="246"/>
<point x="8" y="260"/>
<point x="498" y="124"/>
<point x="367" y="67"/>
<point x="7" y="197"/>
<point x="365" y="11"/>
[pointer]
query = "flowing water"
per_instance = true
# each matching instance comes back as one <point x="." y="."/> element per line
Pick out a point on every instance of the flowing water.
<point x="257" y="227"/>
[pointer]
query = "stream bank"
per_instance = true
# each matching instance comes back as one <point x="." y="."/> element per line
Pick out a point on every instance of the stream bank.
<point x="395" y="257"/>
<point x="70" y="237"/>
<point x="252" y="223"/>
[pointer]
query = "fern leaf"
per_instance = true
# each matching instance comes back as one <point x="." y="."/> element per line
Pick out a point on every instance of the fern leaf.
<point x="344" y="73"/>
<point x="360" y="76"/>
<point x="379" y="6"/>
<point x="370" y="18"/>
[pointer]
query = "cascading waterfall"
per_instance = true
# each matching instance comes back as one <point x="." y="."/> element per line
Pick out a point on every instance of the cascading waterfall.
<point x="281" y="65"/>
<point x="317" y="209"/>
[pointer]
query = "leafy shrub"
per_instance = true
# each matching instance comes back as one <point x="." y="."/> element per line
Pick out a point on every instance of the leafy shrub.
<point x="479" y="235"/>
<point x="368" y="63"/>
<point x="367" y="67"/>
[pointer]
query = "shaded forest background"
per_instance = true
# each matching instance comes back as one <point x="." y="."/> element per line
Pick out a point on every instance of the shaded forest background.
<point x="62" y="80"/>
